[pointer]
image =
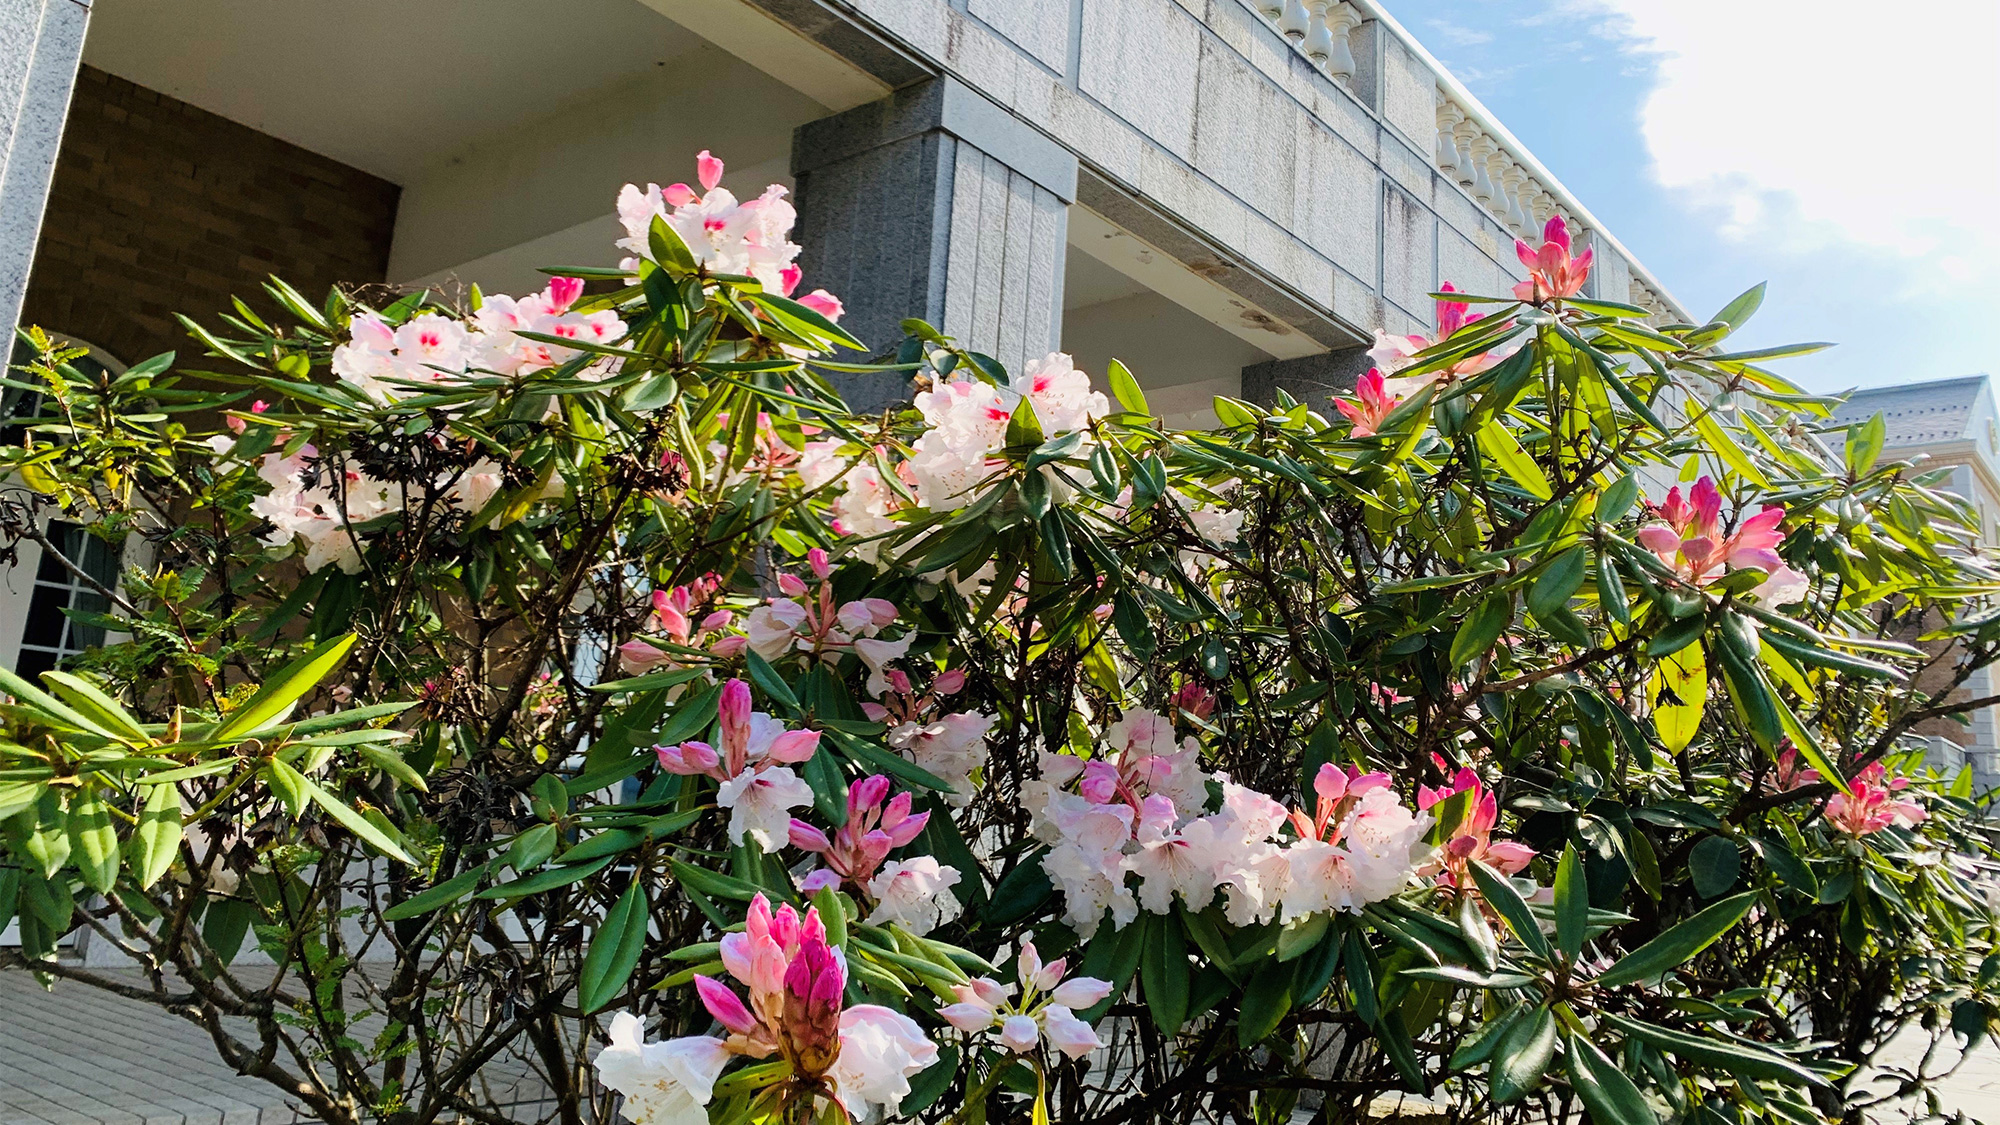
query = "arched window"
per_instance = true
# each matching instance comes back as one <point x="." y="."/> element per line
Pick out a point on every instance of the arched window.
<point x="40" y="587"/>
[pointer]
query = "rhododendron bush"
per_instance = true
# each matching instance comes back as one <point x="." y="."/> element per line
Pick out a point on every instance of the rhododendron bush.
<point x="579" y="705"/>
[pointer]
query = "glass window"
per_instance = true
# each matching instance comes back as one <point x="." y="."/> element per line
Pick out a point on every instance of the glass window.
<point x="50" y="636"/>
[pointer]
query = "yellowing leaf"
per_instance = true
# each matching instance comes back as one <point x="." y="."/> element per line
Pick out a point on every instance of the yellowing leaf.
<point x="1677" y="692"/>
<point x="1497" y="443"/>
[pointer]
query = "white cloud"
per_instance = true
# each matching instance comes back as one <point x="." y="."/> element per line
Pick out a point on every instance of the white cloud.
<point x="1813" y="123"/>
<point x="1458" y="35"/>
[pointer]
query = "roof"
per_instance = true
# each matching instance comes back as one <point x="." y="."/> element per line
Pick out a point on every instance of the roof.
<point x="1942" y="410"/>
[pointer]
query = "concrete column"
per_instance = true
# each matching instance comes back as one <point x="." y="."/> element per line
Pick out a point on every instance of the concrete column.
<point x="936" y="203"/>
<point x="40" y="44"/>
<point x="1312" y="379"/>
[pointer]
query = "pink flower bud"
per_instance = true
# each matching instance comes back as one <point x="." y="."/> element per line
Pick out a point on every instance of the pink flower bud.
<point x="1100" y="783"/>
<point x="729" y="648"/>
<point x="734" y="711"/>
<point x="1080" y="992"/>
<point x="807" y="838"/>
<point x="895" y="812"/>
<point x="968" y="1017"/>
<point x="882" y="610"/>
<point x="1028" y="964"/>
<point x="794" y="746"/>
<point x="720" y="619"/>
<point x="708" y="169"/>
<point x="824" y="303"/>
<point x="949" y="683"/>
<point x="816" y="558"/>
<point x="792" y="585"/>
<point x="236" y="425"/>
<point x="724" y="1005"/>
<point x="986" y="991"/>
<point x="818" y="879"/>
<point x="1020" y="1033"/>
<point x="1330" y="783"/>
<point x="678" y="195"/>
<point x="874" y="712"/>
<point x="866" y="794"/>
<point x="789" y="278"/>
<point x="909" y="829"/>
<point x="636" y="657"/>
<point x="563" y="292"/>
<point x="899" y="682"/>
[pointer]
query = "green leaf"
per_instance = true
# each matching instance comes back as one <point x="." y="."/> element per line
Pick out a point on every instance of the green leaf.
<point x="1481" y="628"/>
<point x="1126" y="388"/>
<point x="548" y="880"/>
<point x="1572" y="902"/>
<point x="1607" y="1091"/>
<point x="91" y="700"/>
<point x="1266" y="1001"/>
<point x="1738" y="312"/>
<point x="1715" y="864"/>
<point x="1864" y="444"/>
<point x="1678" y="691"/>
<point x="1724" y="446"/>
<point x="284" y="689"/>
<point x="353" y="821"/>
<point x="1024" y="429"/>
<point x="1498" y="444"/>
<point x="1501" y="895"/>
<point x="158" y="838"/>
<point x="93" y="840"/>
<point x="1740" y="1058"/>
<point x="1522" y="1058"/>
<point x="614" y="951"/>
<point x="1779" y="352"/>
<point x="442" y="895"/>
<point x="1679" y="944"/>
<point x="1163" y="973"/>
<point x="1558" y="583"/>
<point x="769" y="682"/>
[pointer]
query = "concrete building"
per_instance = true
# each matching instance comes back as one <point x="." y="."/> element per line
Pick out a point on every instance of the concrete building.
<point x="1228" y="195"/>
<point x="1950" y="424"/>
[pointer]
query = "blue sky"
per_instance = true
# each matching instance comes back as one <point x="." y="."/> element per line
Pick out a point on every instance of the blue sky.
<point x="1843" y="152"/>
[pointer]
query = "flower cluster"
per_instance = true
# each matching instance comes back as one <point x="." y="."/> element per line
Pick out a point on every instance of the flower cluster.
<point x="1873" y="804"/>
<point x="861" y="1055"/>
<point x="951" y="747"/>
<point x="753" y="767"/>
<point x="1471" y="841"/>
<point x="1552" y="273"/>
<point x="1140" y="812"/>
<point x="1046" y="1008"/>
<point x="914" y="893"/>
<point x="863" y="505"/>
<point x="673" y="621"/>
<point x="388" y="362"/>
<point x="968" y="426"/>
<point x="1688" y="536"/>
<point x="319" y="506"/>
<point x="809" y="623"/>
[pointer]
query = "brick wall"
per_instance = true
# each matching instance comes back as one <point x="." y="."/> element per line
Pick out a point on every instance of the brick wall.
<point x="159" y="207"/>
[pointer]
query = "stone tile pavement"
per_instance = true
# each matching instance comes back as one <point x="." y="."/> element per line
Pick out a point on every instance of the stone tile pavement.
<point x="80" y="1056"/>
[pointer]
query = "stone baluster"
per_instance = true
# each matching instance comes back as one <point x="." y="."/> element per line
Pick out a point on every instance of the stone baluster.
<point x="1461" y="140"/>
<point x="1545" y="205"/>
<point x="1496" y="177"/>
<point x="1295" y="21"/>
<point x="1483" y="153"/>
<point x="1271" y="9"/>
<point x="1341" y="20"/>
<point x="1514" y="181"/>
<point x="1448" y="117"/>
<point x="1318" y="44"/>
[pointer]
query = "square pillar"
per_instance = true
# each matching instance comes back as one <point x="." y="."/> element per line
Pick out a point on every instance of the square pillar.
<point x="938" y="204"/>
<point x="41" y="42"/>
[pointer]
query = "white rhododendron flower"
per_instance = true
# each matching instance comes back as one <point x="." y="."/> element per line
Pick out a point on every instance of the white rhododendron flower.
<point x="665" y="1083"/>
<point x="915" y="894"/>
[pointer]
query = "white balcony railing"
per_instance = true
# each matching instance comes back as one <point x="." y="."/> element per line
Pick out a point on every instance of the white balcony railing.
<point x="1470" y="146"/>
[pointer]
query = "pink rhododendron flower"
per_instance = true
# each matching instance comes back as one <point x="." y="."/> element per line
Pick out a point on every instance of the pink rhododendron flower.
<point x="818" y="629"/>
<point x="1370" y="405"/>
<point x="1688" y="536"/>
<point x="862" y="1055"/>
<point x="873" y="829"/>
<point x="968" y="427"/>
<point x="1392" y="353"/>
<point x="1472" y="840"/>
<point x="824" y="303"/>
<point x="1552" y="273"/>
<point x="950" y="746"/>
<point x="1873" y="804"/>
<point x="726" y="236"/>
<point x="1359" y="845"/>
<point x="753" y="767"/>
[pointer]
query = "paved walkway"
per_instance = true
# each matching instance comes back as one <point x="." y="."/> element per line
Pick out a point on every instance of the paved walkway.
<point x="80" y="1056"/>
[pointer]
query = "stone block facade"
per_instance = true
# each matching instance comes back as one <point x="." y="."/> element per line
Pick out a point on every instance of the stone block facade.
<point x="158" y="207"/>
